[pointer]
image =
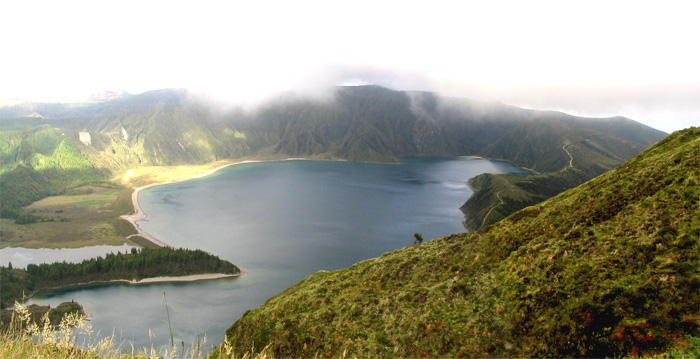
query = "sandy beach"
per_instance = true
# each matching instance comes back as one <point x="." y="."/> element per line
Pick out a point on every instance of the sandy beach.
<point x="141" y="216"/>
<point x="184" y="278"/>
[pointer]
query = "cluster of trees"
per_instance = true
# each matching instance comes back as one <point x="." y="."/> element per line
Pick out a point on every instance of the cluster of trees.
<point x="36" y="315"/>
<point x="22" y="217"/>
<point x="138" y="264"/>
<point x="145" y="263"/>
<point x="15" y="284"/>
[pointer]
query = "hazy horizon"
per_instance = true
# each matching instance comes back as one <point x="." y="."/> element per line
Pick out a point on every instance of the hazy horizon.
<point x="594" y="59"/>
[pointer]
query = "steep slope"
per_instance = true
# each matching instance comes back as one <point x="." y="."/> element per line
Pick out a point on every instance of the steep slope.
<point x="498" y="196"/>
<point x="546" y="145"/>
<point x="606" y="269"/>
<point x="364" y="123"/>
<point x="566" y="154"/>
<point x="38" y="162"/>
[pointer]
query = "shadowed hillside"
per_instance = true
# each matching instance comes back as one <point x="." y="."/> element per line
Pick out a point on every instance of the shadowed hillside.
<point x="364" y="123"/>
<point x="606" y="269"/>
<point x="566" y="156"/>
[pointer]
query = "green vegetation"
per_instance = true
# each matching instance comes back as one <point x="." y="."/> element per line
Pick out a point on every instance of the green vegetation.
<point x="133" y="137"/>
<point x="24" y="337"/>
<point x="365" y="123"/>
<point x="418" y="238"/>
<point x="37" y="163"/>
<point x="37" y="312"/>
<point x="498" y="196"/>
<point x="567" y="155"/>
<point x="608" y="269"/>
<point x="146" y="263"/>
<point x="87" y="215"/>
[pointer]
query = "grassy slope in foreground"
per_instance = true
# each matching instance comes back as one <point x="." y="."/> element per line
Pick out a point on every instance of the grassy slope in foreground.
<point x="606" y="269"/>
<point x="37" y="312"/>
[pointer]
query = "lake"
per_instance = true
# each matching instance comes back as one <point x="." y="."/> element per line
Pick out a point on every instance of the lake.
<point x="279" y="222"/>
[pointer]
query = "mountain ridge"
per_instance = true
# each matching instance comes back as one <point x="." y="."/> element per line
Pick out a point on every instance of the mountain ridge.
<point x="562" y="157"/>
<point x="365" y="123"/>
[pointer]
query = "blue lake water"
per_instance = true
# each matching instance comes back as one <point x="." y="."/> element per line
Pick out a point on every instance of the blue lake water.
<point x="279" y="222"/>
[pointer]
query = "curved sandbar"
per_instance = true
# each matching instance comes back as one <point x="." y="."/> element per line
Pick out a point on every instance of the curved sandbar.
<point x="184" y="278"/>
<point x="141" y="216"/>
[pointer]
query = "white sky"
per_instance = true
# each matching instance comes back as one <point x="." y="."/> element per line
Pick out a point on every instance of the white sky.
<point x="594" y="58"/>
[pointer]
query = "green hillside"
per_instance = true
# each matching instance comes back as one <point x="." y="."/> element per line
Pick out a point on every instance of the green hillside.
<point x="498" y="196"/>
<point x="565" y="154"/>
<point x="363" y="123"/>
<point x="609" y="268"/>
<point x="37" y="162"/>
<point x="545" y="145"/>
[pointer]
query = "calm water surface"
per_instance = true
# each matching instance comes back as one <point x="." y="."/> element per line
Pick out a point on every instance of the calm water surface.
<point x="279" y="222"/>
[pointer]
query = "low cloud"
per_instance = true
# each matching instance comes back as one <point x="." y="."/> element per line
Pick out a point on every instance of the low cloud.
<point x="601" y="59"/>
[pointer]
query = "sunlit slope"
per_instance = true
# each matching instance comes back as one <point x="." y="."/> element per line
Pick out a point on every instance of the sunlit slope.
<point x="609" y="268"/>
<point x="39" y="161"/>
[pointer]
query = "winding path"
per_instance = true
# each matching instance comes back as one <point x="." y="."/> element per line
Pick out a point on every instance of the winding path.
<point x="571" y="160"/>
<point x="498" y="195"/>
<point x="510" y="186"/>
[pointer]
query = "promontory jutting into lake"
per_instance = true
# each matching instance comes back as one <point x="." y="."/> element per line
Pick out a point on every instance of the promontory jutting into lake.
<point x="279" y="222"/>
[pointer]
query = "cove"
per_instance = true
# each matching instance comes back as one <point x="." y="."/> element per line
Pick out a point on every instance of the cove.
<point x="279" y="222"/>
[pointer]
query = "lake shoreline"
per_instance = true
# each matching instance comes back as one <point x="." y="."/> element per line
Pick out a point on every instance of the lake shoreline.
<point x="163" y="279"/>
<point x="500" y="160"/>
<point x="140" y="215"/>
<point x="274" y="259"/>
<point x="184" y="278"/>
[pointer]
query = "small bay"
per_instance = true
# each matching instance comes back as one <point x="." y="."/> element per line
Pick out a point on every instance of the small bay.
<point x="279" y="222"/>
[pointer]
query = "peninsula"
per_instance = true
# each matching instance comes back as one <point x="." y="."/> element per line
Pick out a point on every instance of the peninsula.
<point x="144" y="266"/>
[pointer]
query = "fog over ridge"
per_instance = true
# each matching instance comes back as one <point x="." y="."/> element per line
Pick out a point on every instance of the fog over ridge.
<point x="600" y="59"/>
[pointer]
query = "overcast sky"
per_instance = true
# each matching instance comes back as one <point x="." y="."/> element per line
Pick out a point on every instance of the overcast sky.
<point x="592" y="58"/>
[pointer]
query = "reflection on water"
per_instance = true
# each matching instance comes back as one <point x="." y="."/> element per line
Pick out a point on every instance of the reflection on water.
<point x="280" y="222"/>
<point x="20" y="257"/>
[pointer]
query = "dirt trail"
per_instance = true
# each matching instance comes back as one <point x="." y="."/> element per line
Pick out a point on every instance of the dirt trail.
<point x="571" y="159"/>
<point x="498" y="195"/>
<point x="510" y="186"/>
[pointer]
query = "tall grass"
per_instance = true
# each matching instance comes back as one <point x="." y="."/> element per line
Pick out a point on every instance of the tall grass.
<point x="73" y="338"/>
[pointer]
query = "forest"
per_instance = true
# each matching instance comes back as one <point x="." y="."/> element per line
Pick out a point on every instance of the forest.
<point x="16" y="284"/>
